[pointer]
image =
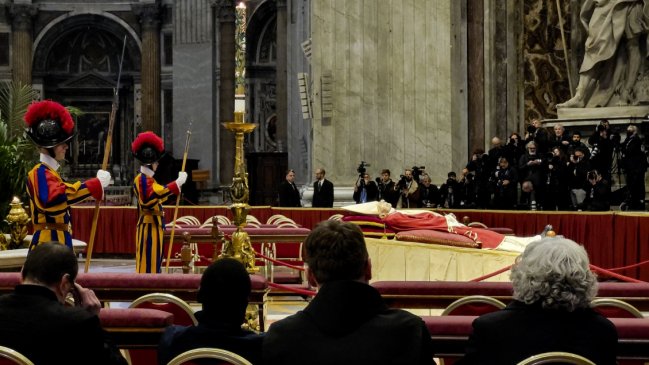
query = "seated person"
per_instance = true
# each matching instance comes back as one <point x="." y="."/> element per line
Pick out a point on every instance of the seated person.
<point x="225" y="287"/>
<point x="35" y="321"/>
<point x="598" y="193"/>
<point x="553" y="288"/>
<point x="347" y="322"/>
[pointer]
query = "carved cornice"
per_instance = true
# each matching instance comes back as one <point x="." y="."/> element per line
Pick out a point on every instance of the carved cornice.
<point x="22" y="16"/>
<point x="149" y="15"/>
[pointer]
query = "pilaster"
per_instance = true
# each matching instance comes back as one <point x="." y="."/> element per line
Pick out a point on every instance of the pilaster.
<point x="149" y="17"/>
<point x="281" y="76"/>
<point x="227" y="52"/>
<point x="22" y="16"/>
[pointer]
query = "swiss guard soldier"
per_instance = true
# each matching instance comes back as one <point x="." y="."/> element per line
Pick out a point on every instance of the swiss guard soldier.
<point x="148" y="149"/>
<point x="50" y="127"/>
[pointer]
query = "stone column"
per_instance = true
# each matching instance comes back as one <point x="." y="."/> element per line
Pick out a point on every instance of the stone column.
<point x="280" y="75"/>
<point x="149" y="17"/>
<point x="227" y="53"/>
<point x="475" y="72"/>
<point x="22" y="41"/>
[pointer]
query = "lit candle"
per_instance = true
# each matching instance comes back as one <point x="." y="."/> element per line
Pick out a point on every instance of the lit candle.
<point x="240" y="41"/>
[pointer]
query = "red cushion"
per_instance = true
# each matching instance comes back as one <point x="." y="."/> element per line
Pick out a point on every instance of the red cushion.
<point x="449" y="325"/>
<point x="359" y="219"/>
<point x="444" y="288"/>
<point x="180" y="316"/>
<point x="377" y="232"/>
<point x="437" y="237"/>
<point x="135" y="317"/>
<point x="9" y="279"/>
<point x="167" y="282"/>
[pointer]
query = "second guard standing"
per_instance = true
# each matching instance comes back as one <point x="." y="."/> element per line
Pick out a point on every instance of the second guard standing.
<point x="148" y="148"/>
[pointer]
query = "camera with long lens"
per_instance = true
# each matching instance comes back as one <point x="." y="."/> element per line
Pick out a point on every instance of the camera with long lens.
<point x="362" y="168"/>
<point x="403" y="182"/>
<point x="416" y="172"/>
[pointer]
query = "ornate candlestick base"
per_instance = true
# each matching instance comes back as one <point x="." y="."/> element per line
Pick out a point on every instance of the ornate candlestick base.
<point x="240" y="248"/>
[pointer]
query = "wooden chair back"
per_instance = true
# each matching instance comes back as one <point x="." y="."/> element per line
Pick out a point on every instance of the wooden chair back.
<point x="227" y="357"/>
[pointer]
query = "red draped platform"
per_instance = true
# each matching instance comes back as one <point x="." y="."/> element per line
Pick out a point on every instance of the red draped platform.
<point x="612" y="239"/>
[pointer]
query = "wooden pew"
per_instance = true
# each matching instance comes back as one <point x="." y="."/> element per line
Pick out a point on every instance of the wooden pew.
<point x="450" y="335"/>
<point x="439" y="294"/>
<point x="126" y="287"/>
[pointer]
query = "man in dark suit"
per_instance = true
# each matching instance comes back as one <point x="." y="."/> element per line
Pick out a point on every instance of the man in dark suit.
<point x="323" y="191"/>
<point x="35" y="321"/>
<point x="347" y="322"/>
<point x="289" y="195"/>
<point x="540" y="319"/>
<point x="224" y="290"/>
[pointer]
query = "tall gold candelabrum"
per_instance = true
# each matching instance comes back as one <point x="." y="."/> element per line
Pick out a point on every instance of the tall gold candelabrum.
<point x="240" y="248"/>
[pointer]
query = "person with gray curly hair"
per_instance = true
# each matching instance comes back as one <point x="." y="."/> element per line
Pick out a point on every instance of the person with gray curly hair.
<point x="550" y="311"/>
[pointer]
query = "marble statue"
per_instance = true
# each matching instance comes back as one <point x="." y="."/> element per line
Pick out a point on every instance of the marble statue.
<point x="613" y="53"/>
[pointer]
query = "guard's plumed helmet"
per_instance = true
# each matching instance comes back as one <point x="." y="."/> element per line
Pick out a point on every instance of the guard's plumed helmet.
<point x="147" y="148"/>
<point x="48" y="123"/>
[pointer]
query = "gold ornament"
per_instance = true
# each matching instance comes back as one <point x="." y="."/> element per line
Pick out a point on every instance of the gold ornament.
<point x="17" y="219"/>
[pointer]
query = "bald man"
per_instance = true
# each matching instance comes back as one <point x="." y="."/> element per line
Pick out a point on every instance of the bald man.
<point x="323" y="190"/>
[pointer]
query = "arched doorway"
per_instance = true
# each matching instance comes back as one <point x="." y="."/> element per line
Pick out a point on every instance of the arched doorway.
<point x="77" y="62"/>
<point x="267" y="162"/>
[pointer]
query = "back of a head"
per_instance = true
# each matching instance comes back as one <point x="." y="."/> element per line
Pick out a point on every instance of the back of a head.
<point x="555" y="272"/>
<point x="225" y="287"/>
<point x="336" y="251"/>
<point x="48" y="262"/>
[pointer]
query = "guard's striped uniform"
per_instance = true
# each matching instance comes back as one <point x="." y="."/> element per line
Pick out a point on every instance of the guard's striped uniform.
<point x="150" y="224"/>
<point x="50" y="199"/>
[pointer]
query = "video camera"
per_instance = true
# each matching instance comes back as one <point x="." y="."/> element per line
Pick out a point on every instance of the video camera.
<point x="416" y="172"/>
<point x="362" y="168"/>
<point x="403" y="182"/>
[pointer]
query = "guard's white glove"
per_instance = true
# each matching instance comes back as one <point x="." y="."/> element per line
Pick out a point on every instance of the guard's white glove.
<point x="104" y="178"/>
<point x="182" y="178"/>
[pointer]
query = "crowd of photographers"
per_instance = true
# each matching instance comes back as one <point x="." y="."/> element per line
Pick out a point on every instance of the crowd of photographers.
<point x="545" y="170"/>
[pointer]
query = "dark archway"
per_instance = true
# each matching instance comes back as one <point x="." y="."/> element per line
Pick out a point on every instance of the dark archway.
<point x="77" y="63"/>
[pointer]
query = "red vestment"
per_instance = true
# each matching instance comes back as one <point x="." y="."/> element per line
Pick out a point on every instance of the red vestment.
<point x="405" y="222"/>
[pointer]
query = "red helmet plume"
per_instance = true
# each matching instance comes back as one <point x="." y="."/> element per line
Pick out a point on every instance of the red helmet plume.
<point x="48" y="123"/>
<point x="147" y="147"/>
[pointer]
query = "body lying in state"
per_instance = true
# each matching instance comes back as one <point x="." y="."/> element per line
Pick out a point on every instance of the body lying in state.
<point x="424" y="219"/>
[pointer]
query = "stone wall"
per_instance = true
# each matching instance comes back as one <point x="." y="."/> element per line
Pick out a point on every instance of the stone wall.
<point x="392" y="66"/>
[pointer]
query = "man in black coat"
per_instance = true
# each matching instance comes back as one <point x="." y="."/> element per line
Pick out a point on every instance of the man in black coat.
<point x="347" y="322"/>
<point x="634" y="162"/>
<point x="35" y="321"/>
<point x="386" y="188"/>
<point x="224" y="290"/>
<point x="365" y="190"/>
<point x="323" y="191"/>
<point x="289" y="195"/>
